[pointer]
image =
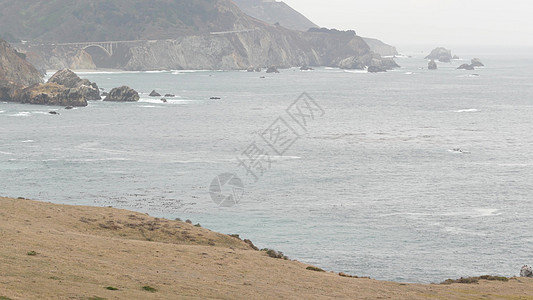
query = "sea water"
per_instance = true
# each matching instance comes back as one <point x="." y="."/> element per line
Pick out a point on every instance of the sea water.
<point x="410" y="175"/>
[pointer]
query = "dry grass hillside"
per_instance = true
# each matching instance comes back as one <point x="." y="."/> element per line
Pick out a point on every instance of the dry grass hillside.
<point x="51" y="251"/>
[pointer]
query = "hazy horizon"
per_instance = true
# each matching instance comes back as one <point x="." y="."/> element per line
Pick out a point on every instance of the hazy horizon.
<point x="418" y="22"/>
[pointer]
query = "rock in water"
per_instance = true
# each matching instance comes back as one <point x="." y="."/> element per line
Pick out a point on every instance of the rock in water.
<point x="476" y="62"/>
<point x="526" y="271"/>
<point x="123" y="94"/>
<point x="432" y="65"/>
<point x="50" y="94"/>
<point x="445" y="58"/>
<point x="306" y="68"/>
<point x="455" y="57"/>
<point x="441" y="54"/>
<point x="70" y="80"/>
<point x="376" y="69"/>
<point x="272" y="70"/>
<point x="465" y="67"/>
<point x="170" y="95"/>
<point x="8" y="89"/>
<point x="154" y="94"/>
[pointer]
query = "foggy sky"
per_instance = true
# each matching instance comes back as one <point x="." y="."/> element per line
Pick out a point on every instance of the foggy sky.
<point x="444" y="22"/>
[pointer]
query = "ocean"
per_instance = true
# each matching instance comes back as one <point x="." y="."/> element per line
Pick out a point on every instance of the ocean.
<point x="410" y="175"/>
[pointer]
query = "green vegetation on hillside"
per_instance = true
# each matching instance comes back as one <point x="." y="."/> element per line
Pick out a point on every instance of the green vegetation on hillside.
<point x="100" y="20"/>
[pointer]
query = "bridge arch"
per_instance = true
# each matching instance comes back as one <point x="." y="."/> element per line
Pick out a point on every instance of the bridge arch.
<point x="107" y="51"/>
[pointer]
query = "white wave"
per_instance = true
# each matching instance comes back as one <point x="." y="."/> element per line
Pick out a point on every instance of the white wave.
<point x="408" y="73"/>
<point x="41" y="112"/>
<point x="485" y="212"/>
<point x="155" y="72"/>
<point x="177" y="72"/>
<point x="21" y="114"/>
<point x="49" y="159"/>
<point x="6" y="153"/>
<point x="169" y="101"/>
<point x="462" y="231"/>
<point x="149" y="106"/>
<point x="28" y="141"/>
<point x="475" y="213"/>
<point x="99" y="159"/>
<point x="466" y="110"/>
<point x="458" y="151"/>
<point x="107" y="72"/>
<point x="284" y="157"/>
<point x="2" y="111"/>
<point x="469" y="75"/>
<point x="356" y="71"/>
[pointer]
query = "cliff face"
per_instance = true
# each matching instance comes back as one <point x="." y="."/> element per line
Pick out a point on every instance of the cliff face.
<point x="14" y="68"/>
<point x="274" y="12"/>
<point x="163" y="34"/>
<point x="259" y="48"/>
<point x="380" y="48"/>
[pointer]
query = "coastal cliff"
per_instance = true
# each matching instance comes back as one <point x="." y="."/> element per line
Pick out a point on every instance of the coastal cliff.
<point x="15" y="72"/>
<point x="380" y="47"/>
<point x="15" y="68"/>
<point x="262" y="47"/>
<point x="187" y="34"/>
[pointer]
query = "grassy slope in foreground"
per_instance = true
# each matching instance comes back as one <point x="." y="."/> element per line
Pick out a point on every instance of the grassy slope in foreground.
<point x="51" y="251"/>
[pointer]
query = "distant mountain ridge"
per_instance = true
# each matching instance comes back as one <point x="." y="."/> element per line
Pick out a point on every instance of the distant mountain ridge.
<point x="274" y="12"/>
<point x="112" y="20"/>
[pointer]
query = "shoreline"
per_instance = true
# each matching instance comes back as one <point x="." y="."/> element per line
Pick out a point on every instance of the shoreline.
<point x="78" y="251"/>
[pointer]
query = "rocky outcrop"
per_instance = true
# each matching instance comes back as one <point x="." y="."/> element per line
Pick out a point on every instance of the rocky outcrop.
<point x="272" y="70"/>
<point x="15" y="69"/>
<point x="476" y="62"/>
<point x="154" y="94"/>
<point x="441" y="54"/>
<point x="122" y="94"/>
<point x="374" y="62"/>
<point x="50" y="94"/>
<point x="432" y="65"/>
<point x="380" y="47"/>
<point x="352" y="62"/>
<point x="69" y="79"/>
<point x="526" y="271"/>
<point x="376" y="69"/>
<point x="8" y="89"/>
<point x="465" y="67"/>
